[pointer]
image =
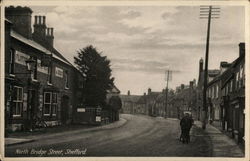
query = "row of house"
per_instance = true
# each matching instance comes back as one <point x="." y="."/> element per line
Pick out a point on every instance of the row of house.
<point x="152" y="104"/>
<point x="225" y="96"/>
<point x="40" y="83"/>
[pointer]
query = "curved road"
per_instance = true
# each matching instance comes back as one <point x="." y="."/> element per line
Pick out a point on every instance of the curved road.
<point x="140" y="136"/>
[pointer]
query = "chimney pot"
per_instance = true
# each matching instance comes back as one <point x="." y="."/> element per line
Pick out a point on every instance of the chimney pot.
<point x="35" y="20"/>
<point x="40" y="20"/>
<point x="128" y="92"/>
<point x="44" y="18"/>
<point x="52" y="31"/>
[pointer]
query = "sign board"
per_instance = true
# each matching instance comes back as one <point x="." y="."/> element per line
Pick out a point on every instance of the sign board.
<point x="81" y="110"/>
<point x="59" y="72"/>
<point x="98" y="118"/>
<point x="20" y="58"/>
<point x="41" y="68"/>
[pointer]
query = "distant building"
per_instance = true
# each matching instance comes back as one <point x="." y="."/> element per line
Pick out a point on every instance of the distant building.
<point x="129" y="103"/>
<point x="185" y="99"/>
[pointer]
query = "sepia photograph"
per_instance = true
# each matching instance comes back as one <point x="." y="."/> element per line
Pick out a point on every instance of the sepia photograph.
<point x="124" y="80"/>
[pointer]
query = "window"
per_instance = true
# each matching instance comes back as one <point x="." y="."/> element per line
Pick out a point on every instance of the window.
<point x="217" y="91"/>
<point x="17" y="101"/>
<point x="50" y="104"/>
<point x="66" y="80"/>
<point x="47" y="103"/>
<point x="54" y="104"/>
<point x="49" y="75"/>
<point x="243" y="74"/>
<point x="12" y="61"/>
<point x="231" y="86"/>
<point x="237" y="80"/>
<point x="34" y="73"/>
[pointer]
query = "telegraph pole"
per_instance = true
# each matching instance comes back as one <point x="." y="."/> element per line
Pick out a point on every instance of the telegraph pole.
<point x="166" y="104"/>
<point x="211" y="13"/>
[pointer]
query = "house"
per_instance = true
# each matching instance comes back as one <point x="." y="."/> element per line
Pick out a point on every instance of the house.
<point x="39" y="81"/>
<point x="200" y="84"/>
<point x="129" y="103"/>
<point x="185" y="99"/>
<point x="233" y="97"/>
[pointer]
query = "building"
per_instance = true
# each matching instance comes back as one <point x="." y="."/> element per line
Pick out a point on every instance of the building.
<point x="215" y="111"/>
<point x="39" y="81"/>
<point x="233" y="97"/>
<point x="199" y="97"/>
<point x="130" y="103"/>
<point x="185" y="99"/>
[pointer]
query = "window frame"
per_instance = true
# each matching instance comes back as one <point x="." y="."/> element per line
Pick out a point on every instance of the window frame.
<point x="66" y="86"/>
<point x="16" y="101"/>
<point x="12" y="62"/>
<point x="54" y="104"/>
<point x="45" y="103"/>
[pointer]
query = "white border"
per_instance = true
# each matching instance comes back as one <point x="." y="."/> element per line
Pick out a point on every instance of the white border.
<point x="131" y="3"/>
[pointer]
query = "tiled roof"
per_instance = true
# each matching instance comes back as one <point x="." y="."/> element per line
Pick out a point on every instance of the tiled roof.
<point x="39" y="47"/>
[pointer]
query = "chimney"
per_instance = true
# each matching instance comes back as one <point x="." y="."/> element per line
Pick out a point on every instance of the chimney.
<point x="149" y="91"/>
<point x="128" y="92"/>
<point x="21" y="19"/>
<point x="39" y="34"/>
<point x="201" y="65"/>
<point x="144" y="94"/>
<point x="191" y="84"/>
<point x="50" y="36"/>
<point x="242" y="49"/>
<point x="182" y="86"/>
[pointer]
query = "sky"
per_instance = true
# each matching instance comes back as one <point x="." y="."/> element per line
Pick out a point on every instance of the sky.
<point x="143" y="42"/>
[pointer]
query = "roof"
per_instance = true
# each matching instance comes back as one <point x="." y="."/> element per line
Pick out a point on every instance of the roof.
<point x="39" y="47"/>
<point x="130" y="98"/>
<point x="114" y="89"/>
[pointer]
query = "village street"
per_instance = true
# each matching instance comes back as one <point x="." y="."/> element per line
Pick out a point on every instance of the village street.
<point x="138" y="136"/>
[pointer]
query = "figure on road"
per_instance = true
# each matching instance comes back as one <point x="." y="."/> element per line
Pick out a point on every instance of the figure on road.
<point x="186" y="124"/>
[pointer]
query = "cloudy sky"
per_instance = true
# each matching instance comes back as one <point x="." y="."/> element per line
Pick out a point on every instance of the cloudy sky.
<point x="143" y="42"/>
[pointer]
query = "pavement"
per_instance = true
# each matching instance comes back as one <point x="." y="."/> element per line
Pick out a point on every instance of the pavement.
<point x="223" y="146"/>
<point x="30" y="138"/>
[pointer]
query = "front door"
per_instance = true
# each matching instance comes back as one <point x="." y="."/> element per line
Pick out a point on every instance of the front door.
<point x="32" y="106"/>
<point x="64" y="109"/>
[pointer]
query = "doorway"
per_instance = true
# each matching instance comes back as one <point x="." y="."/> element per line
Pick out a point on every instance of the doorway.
<point x="64" y="109"/>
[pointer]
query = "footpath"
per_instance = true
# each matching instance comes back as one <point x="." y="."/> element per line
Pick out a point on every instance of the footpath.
<point x="222" y="145"/>
<point x="15" y="139"/>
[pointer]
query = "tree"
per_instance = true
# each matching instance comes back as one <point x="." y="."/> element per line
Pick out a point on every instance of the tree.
<point x="97" y="70"/>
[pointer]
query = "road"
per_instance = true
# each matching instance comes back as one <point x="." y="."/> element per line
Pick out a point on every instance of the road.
<point x="140" y="136"/>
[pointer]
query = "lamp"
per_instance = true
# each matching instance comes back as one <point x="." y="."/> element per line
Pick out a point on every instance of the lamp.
<point x="30" y="63"/>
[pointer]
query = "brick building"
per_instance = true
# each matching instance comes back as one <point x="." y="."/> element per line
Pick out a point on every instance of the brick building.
<point x="233" y="97"/>
<point x="44" y="92"/>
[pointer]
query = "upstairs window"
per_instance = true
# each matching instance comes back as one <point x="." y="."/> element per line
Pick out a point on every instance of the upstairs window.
<point x="49" y="74"/>
<point x="12" y="61"/>
<point x="17" y="101"/>
<point x="34" y="72"/>
<point x="66" y="80"/>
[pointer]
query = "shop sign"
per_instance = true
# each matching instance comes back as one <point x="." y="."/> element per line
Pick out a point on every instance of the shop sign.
<point x="59" y="72"/>
<point x="41" y="68"/>
<point x="98" y="118"/>
<point x="20" y="58"/>
<point x="81" y="110"/>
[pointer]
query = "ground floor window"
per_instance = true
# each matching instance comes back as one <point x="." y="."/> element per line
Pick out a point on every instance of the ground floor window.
<point x="50" y="104"/>
<point x="17" y="101"/>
